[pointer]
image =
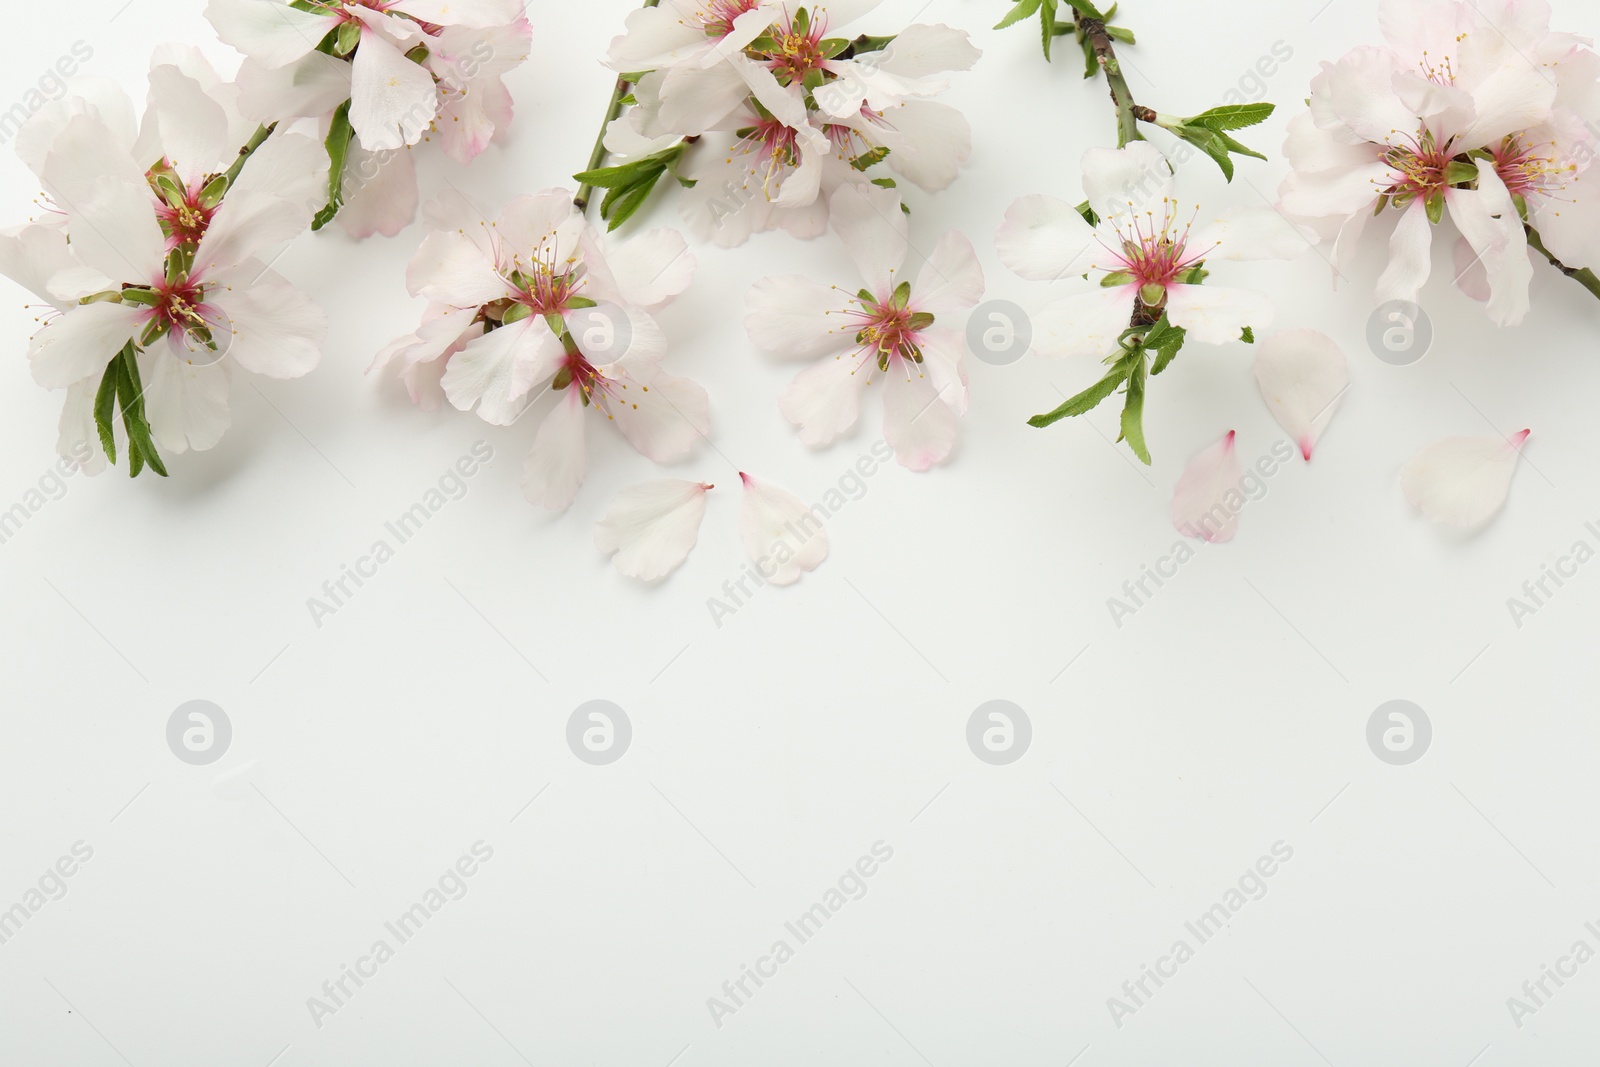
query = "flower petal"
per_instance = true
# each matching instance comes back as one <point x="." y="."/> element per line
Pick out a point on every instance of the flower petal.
<point x="1216" y="315"/>
<point x="559" y="461"/>
<point x="1044" y="239"/>
<point x="1125" y="181"/>
<point x="824" y="400"/>
<point x="1252" y="233"/>
<point x="952" y="278"/>
<point x="1302" y="376"/>
<point x="266" y="30"/>
<point x="1087" y="325"/>
<point x="1463" y="481"/>
<point x="661" y="416"/>
<point x="496" y="371"/>
<point x="1410" y="257"/>
<point x="187" y="403"/>
<point x="276" y="330"/>
<point x="450" y="268"/>
<point x="650" y="528"/>
<point x="380" y="192"/>
<point x="796" y="318"/>
<point x="191" y="126"/>
<point x="917" y="423"/>
<point x="869" y="221"/>
<point x="652" y="269"/>
<point x="475" y="13"/>
<point x="392" y="100"/>
<point x="80" y="343"/>
<point x="1207" y="500"/>
<point x="782" y="536"/>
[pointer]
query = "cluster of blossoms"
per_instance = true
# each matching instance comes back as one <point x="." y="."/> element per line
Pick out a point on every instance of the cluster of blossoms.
<point x="1475" y="111"/>
<point x="147" y="259"/>
<point x="378" y="76"/>
<point x="784" y="111"/>
<point x="533" y="305"/>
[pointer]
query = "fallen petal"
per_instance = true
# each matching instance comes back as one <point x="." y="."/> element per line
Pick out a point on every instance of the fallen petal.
<point x="651" y="527"/>
<point x="1207" y="500"/>
<point x="783" y="536"/>
<point x="1303" y="376"/>
<point x="1463" y="481"/>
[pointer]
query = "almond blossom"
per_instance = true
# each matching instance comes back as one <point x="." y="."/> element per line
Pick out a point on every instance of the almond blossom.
<point x="785" y="113"/>
<point x="532" y="303"/>
<point x="149" y="264"/>
<point x="891" y="331"/>
<point x="1478" y="112"/>
<point x="390" y="72"/>
<point x="1149" y="252"/>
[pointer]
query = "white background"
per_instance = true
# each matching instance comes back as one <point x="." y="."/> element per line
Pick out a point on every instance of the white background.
<point x="771" y="752"/>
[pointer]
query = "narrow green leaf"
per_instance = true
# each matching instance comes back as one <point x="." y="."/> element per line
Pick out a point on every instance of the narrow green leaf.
<point x="620" y="205"/>
<point x="105" y="410"/>
<point x="1133" y="413"/>
<point x="1023" y="9"/>
<point x="1047" y="25"/>
<point x="340" y="134"/>
<point x="1091" y="397"/>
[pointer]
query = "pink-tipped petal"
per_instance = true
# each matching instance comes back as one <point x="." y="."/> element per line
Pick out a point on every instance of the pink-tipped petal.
<point x="1207" y="500"/>
<point x="780" y="533"/>
<point x="1303" y="376"/>
<point x="651" y="527"/>
<point x="1463" y="481"/>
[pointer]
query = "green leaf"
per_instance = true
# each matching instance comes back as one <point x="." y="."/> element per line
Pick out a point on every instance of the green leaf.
<point x="340" y="134"/>
<point x="130" y="394"/>
<point x="1436" y="208"/>
<point x="1086" y="9"/>
<point x="1047" y="25"/>
<point x="921" y="320"/>
<point x="1133" y="413"/>
<point x="1023" y="9"/>
<point x="1249" y="336"/>
<point x="1091" y="397"/>
<point x="620" y="204"/>
<point x="1121" y="33"/>
<point x="105" y="410"/>
<point x="1232" y="116"/>
<point x="1239" y="149"/>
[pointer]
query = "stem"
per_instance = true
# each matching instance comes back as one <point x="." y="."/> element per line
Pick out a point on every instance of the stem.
<point x="256" y="141"/>
<point x="1129" y="113"/>
<point x="580" y="200"/>
<point x="1584" y="277"/>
